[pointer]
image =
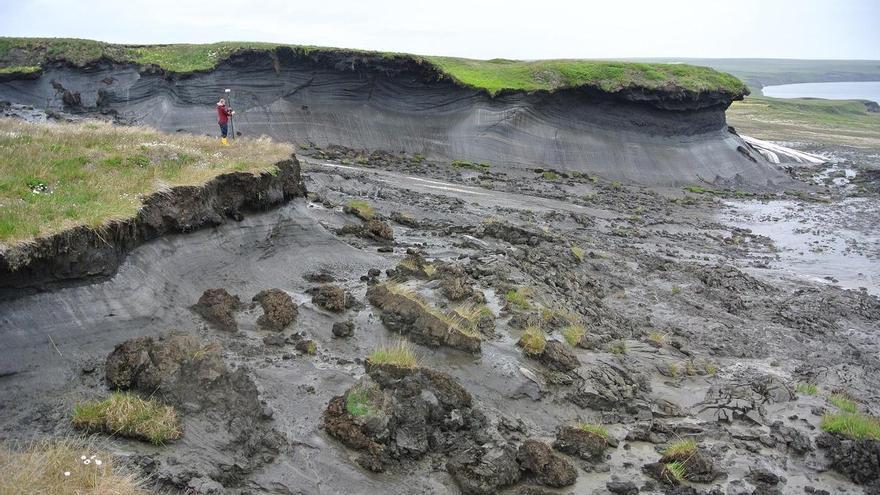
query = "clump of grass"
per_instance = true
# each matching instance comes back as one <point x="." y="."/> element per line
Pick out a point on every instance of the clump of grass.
<point x="398" y="354"/>
<point x="58" y="176"/>
<point x="618" y="347"/>
<point x="429" y="270"/>
<point x="843" y="403"/>
<point x="710" y="368"/>
<point x="19" y="69"/>
<point x="64" y="467"/>
<point x="550" y="175"/>
<point x="676" y="290"/>
<point x="690" y="368"/>
<point x="807" y="389"/>
<point x="574" y="333"/>
<point x="128" y="415"/>
<point x="657" y="337"/>
<point x="616" y="185"/>
<point x="533" y="341"/>
<point x="852" y="425"/>
<point x="362" y="208"/>
<point x="455" y="321"/>
<point x="519" y="297"/>
<point x="674" y="472"/>
<point x="672" y="369"/>
<point x="680" y="449"/>
<point x="578" y="252"/>
<point x="359" y="399"/>
<point x="473" y="312"/>
<point x="595" y="429"/>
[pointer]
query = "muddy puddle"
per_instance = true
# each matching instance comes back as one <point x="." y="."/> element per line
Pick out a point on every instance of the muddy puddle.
<point x="836" y="243"/>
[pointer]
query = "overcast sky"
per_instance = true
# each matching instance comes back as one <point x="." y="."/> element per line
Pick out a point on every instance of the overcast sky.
<point x="477" y="28"/>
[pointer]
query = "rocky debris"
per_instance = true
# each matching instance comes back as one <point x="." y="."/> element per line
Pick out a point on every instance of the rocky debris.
<point x="319" y="277"/>
<point x="405" y="219"/>
<point x="343" y="329"/>
<point x="580" y="442"/>
<point x="549" y="469"/>
<point x="218" y="307"/>
<point x="857" y="459"/>
<point x="306" y="346"/>
<point x="485" y="470"/>
<point x="815" y="311"/>
<point x="792" y="438"/>
<point x="512" y="234"/>
<point x="608" y="386"/>
<point x="184" y="371"/>
<point x="765" y="481"/>
<point x="406" y="314"/>
<point x="373" y="229"/>
<point x="396" y="413"/>
<point x="332" y="298"/>
<point x="279" y="310"/>
<point x="456" y="288"/>
<point x="622" y="487"/>
<point x="413" y="265"/>
<point x="558" y="357"/>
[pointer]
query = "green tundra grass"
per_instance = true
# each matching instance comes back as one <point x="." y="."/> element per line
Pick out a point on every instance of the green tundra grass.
<point x="58" y="176"/>
<point x="491" y="75"/>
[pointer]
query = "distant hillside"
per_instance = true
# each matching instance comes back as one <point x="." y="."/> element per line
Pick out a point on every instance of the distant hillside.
<point x="760" y="72"/>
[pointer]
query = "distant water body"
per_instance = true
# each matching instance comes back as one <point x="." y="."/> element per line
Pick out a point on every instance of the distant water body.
<point x="830" y="91"/>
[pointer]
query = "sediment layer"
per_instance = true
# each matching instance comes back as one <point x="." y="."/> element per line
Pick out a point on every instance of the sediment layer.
<point x="84" y="254"/>
<point x="669" y="136"/>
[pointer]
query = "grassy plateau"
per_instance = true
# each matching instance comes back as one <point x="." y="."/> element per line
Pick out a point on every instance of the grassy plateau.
<point x="491" y="75"/>
<point x="813" y="120"/>
<point x="58" y="176"/>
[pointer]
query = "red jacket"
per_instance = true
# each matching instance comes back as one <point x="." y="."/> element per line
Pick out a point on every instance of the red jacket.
<point x="223" y="114"/>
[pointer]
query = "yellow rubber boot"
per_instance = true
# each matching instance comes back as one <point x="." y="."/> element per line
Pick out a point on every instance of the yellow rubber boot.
<point x="224" y="142"/>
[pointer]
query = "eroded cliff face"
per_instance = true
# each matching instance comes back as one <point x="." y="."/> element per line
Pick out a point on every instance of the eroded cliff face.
<point x="372" y="102"/>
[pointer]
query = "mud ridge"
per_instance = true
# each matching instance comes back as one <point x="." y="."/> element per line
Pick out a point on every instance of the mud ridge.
<point x="83" y="254"/>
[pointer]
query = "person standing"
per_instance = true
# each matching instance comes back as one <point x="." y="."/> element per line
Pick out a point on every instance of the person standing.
<point x="223" y="114"/>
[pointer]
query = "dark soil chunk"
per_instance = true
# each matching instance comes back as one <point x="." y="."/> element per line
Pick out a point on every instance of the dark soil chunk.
<point x="857" y="459"/>
<point x="279" y="311"/>
<point x="578" y="442"/>
<point x="558" y="357"/>
<point x="218" y="307"/>
<point x="550" y="469"/>
<point x="332" y="298"/>
<point x="343" y="329"/>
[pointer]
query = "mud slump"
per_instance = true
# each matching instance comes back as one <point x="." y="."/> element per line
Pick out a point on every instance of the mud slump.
<point x="659" y="325"/>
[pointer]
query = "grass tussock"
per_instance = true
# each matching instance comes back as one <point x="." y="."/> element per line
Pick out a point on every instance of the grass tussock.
<point x="657" y="337"/>
<point x="674" y="472"/>
<point x="597" y="430"/>
<point x="618" y="347"/>
<point x="451" y="318"/>
<point x="680" y="449"/>
<point x="398" y="354"/>
<point x="852" y="425"/>
<point x="61" y="175"/>
<point x="578" y="252"/>
<point x="533" y="341"/>
<point x="573" y="334"/>
<point x="473" y="312"/>
<point x="843" y="403"/>
<point x="359" y="401"/>
<point x="63" y="467"/>
<point x="128" y="415"/>
<point x="519" y="297"/>
<point x="806" y="389"/>
<point x="362" y="208"/>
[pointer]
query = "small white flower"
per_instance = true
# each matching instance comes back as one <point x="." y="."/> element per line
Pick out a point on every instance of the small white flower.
<point x="66" y="473"/>
<point x="82" y="457"/>
<point x="87" y="461"/>
<point x="98" y="462"/>
<point x="92" y="457"/>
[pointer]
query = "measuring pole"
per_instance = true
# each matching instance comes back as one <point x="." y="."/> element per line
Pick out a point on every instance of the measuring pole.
<point x="231" y="120"/>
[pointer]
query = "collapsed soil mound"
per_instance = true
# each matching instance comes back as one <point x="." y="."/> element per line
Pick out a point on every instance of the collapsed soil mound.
<point x="191" y="375"/>
<point x="218" y="307"/>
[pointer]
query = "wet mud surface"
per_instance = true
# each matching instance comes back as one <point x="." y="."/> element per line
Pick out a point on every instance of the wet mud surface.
<point x="701" y="316"/>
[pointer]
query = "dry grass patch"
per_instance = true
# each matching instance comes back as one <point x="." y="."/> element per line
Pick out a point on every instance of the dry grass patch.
<point x="573" y="334"/>
<point x="519" y="297"/>
<point x="453" y="318"/>
<point x="128" y="415"/>
<point x="362" y="208"/>
<point x="63" y="467"/>
<point x="597" y="430"/>
<point x="533" y="341"/>
<point x="57" y="176"/>
<point x="680" y="449"/>
<point x="398" y="354"/>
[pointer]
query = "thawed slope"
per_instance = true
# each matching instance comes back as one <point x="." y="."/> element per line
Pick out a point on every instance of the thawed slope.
<point x="649" y="135"/>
